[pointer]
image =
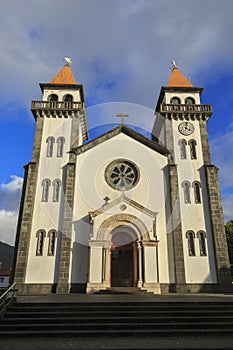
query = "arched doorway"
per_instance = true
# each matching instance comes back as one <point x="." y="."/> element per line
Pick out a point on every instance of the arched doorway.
<point x="122" y="259"/>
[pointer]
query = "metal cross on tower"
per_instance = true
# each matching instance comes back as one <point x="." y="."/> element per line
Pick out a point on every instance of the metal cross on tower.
<point x="122" y="115"/>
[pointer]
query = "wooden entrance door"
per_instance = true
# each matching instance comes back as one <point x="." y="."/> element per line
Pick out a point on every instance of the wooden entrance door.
<point x="122" y="266"/>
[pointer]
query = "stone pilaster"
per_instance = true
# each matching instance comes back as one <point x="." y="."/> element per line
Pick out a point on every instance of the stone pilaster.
<point x="218" y="229"/>
<point x="26" y="211"/>
<point x="180" y="282"/>
<point x="204" y="142"/>
<point x="25" y="223"/>
<point x="65" y="250"/>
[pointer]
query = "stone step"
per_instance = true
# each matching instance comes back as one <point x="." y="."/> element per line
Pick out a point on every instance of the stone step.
<point x="125" y="319"/>
<point x="118" y="333"/>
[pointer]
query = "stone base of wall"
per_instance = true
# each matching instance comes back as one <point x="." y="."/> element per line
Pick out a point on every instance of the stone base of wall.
<point x="152" y="287"/>
<point x="35" y="288"/>
<point x="95" y="287"/>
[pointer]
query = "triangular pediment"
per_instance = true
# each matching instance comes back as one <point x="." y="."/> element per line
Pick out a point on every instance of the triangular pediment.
<point x="154" y="145"/>
<point x="120" y="202"/>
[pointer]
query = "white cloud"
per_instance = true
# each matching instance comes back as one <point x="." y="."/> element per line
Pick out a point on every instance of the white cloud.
<point x="8" y="221"/>
<point x="14" y="185"/>
<point x="221" y="151"/>
<point x="227" y="201"/>
<point x="9" y="206"/>
<point x="130" y="41"/>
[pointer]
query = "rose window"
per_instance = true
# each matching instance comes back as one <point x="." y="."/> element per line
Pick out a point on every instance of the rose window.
<point x="122" y="175"/>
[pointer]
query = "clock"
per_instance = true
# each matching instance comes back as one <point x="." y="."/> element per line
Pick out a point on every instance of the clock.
<point x="186" y="128"/>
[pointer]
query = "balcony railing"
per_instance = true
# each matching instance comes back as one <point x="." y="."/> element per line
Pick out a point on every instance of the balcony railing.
<point x="57" y="105"/>
<point x="186" y="108"/>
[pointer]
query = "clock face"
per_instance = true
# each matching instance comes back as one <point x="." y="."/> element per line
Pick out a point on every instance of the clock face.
<point x="186" y="128"/>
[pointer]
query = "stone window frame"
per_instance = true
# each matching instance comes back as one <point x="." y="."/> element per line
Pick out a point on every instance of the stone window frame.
<point x="174" y="98"/>
<point x="56" y="189"/>
<point x="189" y="98"/>
<point x="40" y="234"/>
<point x="53" y="98"/>
<point x="52" y="235"/>
<point x="50" y="142"/>
<point x="117" y="163"/>
<point x="193" y="151"/>
<point x="186" y="189"/>
<point x="60" y="146"/>
<point x="46" y="183"/>
<point x="201" y="235"/>
<point x="68" y="98"/>
<point x="183" y="152"/>
<point x="197" y="191"/>
<point x="190" y="235"/>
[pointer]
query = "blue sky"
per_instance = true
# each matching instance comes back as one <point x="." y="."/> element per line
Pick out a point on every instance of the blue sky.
<point x="121" y="52"/>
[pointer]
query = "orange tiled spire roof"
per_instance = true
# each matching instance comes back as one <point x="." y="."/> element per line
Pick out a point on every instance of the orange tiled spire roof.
<point x="64" y="76"/>
<point x="178" y="79"/>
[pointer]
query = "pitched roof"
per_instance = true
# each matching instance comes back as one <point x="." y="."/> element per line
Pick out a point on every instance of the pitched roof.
<point x="64" y="76"/>
<point x="116" y="131"/>
<point x="178" y="79"/>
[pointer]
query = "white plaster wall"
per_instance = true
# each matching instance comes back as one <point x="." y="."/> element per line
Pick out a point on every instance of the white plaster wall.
<point x="194" y="216"/>
<point x="41" y="269"/>
<point x="150" y="192"/>
<point x="182" y="96"/>
<point x="96" y="265"/>
<point x="61" y="94"/>
<point x="150" y="270"/>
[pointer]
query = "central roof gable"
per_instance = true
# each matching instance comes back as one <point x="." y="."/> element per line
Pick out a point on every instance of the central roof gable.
<point x="154" y="145"/>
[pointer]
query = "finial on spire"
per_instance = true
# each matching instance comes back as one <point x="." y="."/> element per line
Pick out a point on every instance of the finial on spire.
<point x="174" y="64"/>
<point x="68" y="60"/>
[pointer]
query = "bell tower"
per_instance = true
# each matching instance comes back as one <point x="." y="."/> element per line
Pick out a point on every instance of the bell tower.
<point x="46" y="198"/>
<point x="196" y="222"/>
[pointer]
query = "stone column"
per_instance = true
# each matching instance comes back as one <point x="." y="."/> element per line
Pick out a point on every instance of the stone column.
<point x="218" y="230"/>
<point x="63" y="286"/>
<point x="140" y="281"/>
<point x="180" y="282"/>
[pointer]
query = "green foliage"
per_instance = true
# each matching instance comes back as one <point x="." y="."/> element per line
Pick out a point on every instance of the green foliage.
<point x="229" y="236"/>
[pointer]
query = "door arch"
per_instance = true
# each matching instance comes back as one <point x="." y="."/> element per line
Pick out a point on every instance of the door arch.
<point x="123" y="258"/>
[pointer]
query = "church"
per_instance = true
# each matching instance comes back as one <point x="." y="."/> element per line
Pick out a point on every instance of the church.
<point x="120" y="210"/>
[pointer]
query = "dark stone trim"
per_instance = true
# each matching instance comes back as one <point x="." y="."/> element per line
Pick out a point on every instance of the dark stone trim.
<point x="180" y="285"/>
<point x="127" y="131"/>
<point x="25" y="222"/>
<point x="65" y="250"/>
<point x="37" y="139"/>
<point x="204" y="142"/>
<point x="35" y="288"/>
<point x="218" y="229"/>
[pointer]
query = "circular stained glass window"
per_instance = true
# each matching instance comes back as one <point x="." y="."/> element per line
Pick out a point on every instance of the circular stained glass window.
<point x="122" y="174"/>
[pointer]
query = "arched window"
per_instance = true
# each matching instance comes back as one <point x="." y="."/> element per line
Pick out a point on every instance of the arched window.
<point x="186" y="187"/>
<point x="192" y="145"/>
<point x="52" y="242"/>
<point x="60" y="146"/>
<point x="175" y="101"/>
<point x="190" y="235"/>
<point x="53" y="98"/>
<point x="202" y="242"/>
<point x="45" y="190"/>
<point x="197" y="191"/>
<point x="56" y="190"/>
<point x="189" y="101"/>
<point x="40" y="242"/>
<point x="50" y="141"/>
<point x="68" y="98"/>
<point x="183" y="153"/>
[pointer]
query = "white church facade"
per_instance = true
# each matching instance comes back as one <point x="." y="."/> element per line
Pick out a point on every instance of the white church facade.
<point x="120" y="210"/>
